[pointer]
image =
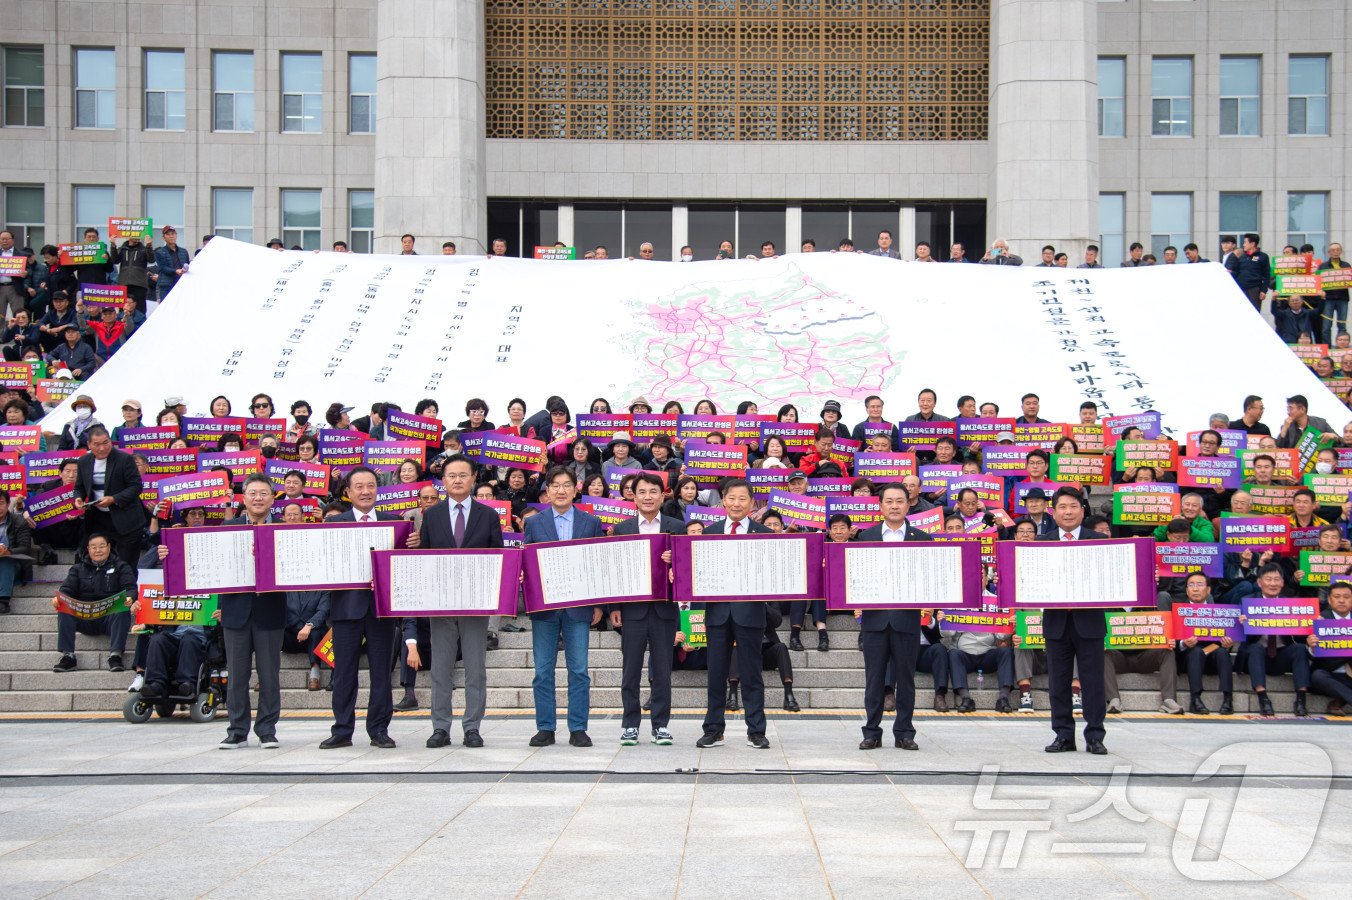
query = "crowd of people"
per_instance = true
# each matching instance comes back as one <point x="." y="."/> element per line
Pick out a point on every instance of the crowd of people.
<point x="121" y="527"/>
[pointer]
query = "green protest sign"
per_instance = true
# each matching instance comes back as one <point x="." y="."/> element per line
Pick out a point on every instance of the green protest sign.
<point x="1028" y="628"/>
<point x="91" y="609"/>
<point x="692" y="626"/>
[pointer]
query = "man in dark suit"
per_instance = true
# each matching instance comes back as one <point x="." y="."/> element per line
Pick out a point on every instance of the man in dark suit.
<point x="252" y="625"/>
<point x="457" y="523"/>
<point x="1074" y="635"/>
<point x="743" y="623"/>
<point x="562" y="522"/>
<point x="890" y="635"/>
<point x="646" y="626"/>
<point x="353" y="614"/>
<point x="108" y="488"/>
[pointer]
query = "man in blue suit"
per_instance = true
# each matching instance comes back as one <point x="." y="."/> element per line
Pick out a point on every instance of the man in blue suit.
<point x="743" y="623"/>
<point x="646" y="626"/>
<point x="1074" y="635"/>
<point x="890" y="635"/>
<point x="561" y="522"/>
<point x="353" y="613"/>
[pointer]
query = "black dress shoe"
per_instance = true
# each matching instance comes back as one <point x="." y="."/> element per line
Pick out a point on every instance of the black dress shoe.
<point x="542" y="739"/>
<point x="870" y="744"/>
<point x="1227" y="705"/>
<point x="407" y="703"/>
<point x="907" y="744"/>
<point x="383" y="741"/>
<point x="151" y="691"/>
<point x="1096" y="748"/>
<point x="1061" y="745"/>
<point x="1197" y="707"/>
<point x="790" y="701"/>
<point x="1265" y="706"/>
<point x="648" y="704"/>
<point x="492" y="640"/>
<point x="115" y="663"/>
<point x="333" y="743"/>
<point x="889" y="701"/>
<point x="734" y="701"/>
<point x="796" y="639"/>
<point x="966" y="705"/>
<point x="823" y="642"/>
<point x="757" y="741"/>
<point x="440" y="738"/>
<point x="579" y="739"/>
<point x="1300" y="708"/>
<point x="472" y="740"/>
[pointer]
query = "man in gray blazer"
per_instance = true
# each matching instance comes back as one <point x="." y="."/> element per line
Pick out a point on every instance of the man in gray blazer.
<point x="646" y="626"/>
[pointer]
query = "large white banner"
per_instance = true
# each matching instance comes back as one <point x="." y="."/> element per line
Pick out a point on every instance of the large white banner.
<point x="799" y="329"/>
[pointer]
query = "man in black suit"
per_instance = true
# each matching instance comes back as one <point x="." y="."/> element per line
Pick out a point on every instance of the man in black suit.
<point x="744" y="623"/>
<point x="890" y="635"/>
<point x="252" y="625"/>
<point x="1074" y="635"/>
<point x="108" y="488"/>
<point x="353" y="614"/>
<point x="646" y="626"/>
<point x="457" y="523"/>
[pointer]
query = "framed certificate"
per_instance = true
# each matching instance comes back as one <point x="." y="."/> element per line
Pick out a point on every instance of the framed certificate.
<point x="330" y="556"/>
<point x="903" y="575"/>
<point x="217" y="560"/>
<point x="1077" y="574"/>
<point x="472" y="582"/>
<point x="714" y="568"/>
<point x="593" y="571"/>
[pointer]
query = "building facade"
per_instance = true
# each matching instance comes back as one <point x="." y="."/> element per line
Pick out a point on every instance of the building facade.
<point x="679" y="122"/>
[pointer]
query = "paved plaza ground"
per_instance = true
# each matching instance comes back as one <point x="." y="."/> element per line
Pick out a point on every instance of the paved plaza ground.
<point x="98" y="807"/>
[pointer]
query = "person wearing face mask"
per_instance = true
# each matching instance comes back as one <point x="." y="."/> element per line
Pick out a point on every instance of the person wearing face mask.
<point x="268" y="447"/>
<point x="75" y="436"/>
<point x="300" y="412"/>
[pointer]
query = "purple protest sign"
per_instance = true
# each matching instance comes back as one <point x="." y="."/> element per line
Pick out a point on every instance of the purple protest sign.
<point x="863" y="511"/>
<point x="903" y="575"/>
<point x="706" y="514"/>
<point x="388" y="456"/>
<point x="648" y="427"/>
<point x="931" y="521"/>
<point x="989" y="619"/>
<point x="600" y="428"/>
<point x="797" y="436"/>
<point x="981" y="430"/>
<point x="989" y="488"/>
<point x="341" y="449"/>
<point x="512" y="452"/>
<point x="610" y="511"/>
<point x="594" y="572"/>
<point x="1113" y="426"/>
<point x="1256" y="533"/>
<point x="1006" y="459"/>
<point x="870" y="430"/>
<point x="1280" y="615"/>
<point x="1333" y="638"/>
<point x="1208" y="623"/>
<point x="331" y="556"/>
<point x="398" y="499"/>
<point x="1209" y="472"/>
<point x="821" y="487"/>
<point x="763" y="481"/>
<point x="799" y="509"/>
<point x="203" y="431"/>
<point x="51" y="507"/>
<point x="934" y="479"/>
<point x="697" y="428"/>
<point x="197" y="489"/>
<point x="1081" y="574"/>
<point x="922" y="435"/>
<point x="241" y="463"/>
<point x="154" y="438"/>
<point x="402" y="426"/>
<point x="721" y="568"/>
<point x="451" y="582"/>
<point x="886" y="467"/>
<point x="257" y="429"/>
<point x="44" y="466"/>
<point x="1179" y="559"/>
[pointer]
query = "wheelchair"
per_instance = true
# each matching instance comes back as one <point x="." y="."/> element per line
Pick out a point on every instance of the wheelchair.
<point x="203" y="702"/>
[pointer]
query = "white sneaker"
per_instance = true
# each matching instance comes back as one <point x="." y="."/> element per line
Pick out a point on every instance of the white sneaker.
<point x="137" y="683"/>
<point x="629" y="737"/>
<point x="1114" y="705"/>
<point x="1171" y="707"/>
<point x="1026" y="702"/>
<point x="662" y="737"/>
<point x="269" y="743"/>
<point x="1076" y="704"/>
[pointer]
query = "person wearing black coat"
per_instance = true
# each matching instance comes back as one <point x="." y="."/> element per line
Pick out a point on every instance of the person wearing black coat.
<point x="16" y="548"/>
<point x="95" y="575"/>
<point x="891" y="636"/>
<point x="108" y="488"/>
<point x="649" y="627"/>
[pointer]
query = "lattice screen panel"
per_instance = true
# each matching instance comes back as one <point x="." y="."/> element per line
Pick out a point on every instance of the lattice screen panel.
<point x="750" y="70"/>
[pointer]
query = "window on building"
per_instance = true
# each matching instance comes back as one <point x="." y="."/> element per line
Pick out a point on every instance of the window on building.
<point x="95" y="88"/>
<point x="1307" y="220"/>
<point x="1112" y="230"/>
<point x="301" y="219"/>
<point x="708" y="226"/>
<point x="24" y="215"/>
<point x="826" y="225"/>
<point x="593" y="226"/>
<point x="651" y="224"/>
<point x="1307" y="102"/>
<point x="1170" y="221"/>
<point x="1112" y="96"/>
<point x="232" y="213"/>
<point x="164" y="206"/>
<point x="24" y="94"/>
<point x="232" y="102"/>
<point x="164" y="90"/>
<point x="1239" y="213"/>
<point x="361" y="221"/>
<point x="1241" y="95"/>
<point x="525" y="226"/>
<point x="361" y="93"/>
<point x="93" y="209"/>
<point x="1171" y="96"/>
<point x="756" y="224"/>
<point x="302" y="92"/>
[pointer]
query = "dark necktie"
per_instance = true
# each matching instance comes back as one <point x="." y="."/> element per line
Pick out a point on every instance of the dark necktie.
<point x="459" y="529"/>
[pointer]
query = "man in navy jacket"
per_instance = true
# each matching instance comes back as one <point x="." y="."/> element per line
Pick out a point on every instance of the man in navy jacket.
<point x="562" y="522"/>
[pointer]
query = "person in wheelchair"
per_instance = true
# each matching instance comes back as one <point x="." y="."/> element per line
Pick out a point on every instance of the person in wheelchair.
<point x="174" y="662"/>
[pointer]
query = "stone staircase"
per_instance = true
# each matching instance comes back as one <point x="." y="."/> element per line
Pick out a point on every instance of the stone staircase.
<point x="830" y="681"/>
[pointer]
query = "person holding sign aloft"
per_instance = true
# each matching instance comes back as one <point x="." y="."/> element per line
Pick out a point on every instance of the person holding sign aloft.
<point x="96" y="575"/>
<point x="1074" y="636"/>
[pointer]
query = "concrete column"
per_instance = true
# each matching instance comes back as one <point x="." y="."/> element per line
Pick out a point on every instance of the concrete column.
<point x="1044" y="125"/>
<point x="430" y="149"/>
